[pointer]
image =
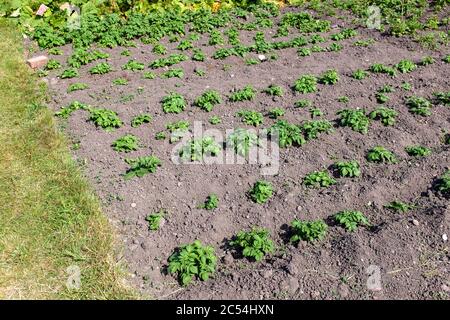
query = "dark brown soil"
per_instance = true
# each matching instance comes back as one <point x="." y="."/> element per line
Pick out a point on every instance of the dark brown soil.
<point x="413" y="258"/>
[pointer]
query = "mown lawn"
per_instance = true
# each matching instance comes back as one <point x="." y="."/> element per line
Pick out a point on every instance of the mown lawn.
<point x="50" y="219"/>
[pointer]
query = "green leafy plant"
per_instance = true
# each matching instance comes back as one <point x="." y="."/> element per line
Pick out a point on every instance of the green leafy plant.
<point x="133" y="65"/>
<point x="381" y="97"/>
<point x="251" y="117"/>
<point x="274" y="90"/>
<point x="193" y="260"/>
<point x="66" y="111"/>
<point x="443" y="183"/>
<point x="199" y="72"/>
<point x="446" y="59"/>
<point x="315" y="112"/>
<point x="350" y="220"/>
<point x="287" y="134"/>
<point x="275" y="113"/>
<point x="56" y="51"/>
<point x="215" y="38"/>
<point x="52" y="65"/>
<point x="399" y="206"/>
<point x="303" y="103"/>
<point x="380" y="154"/>
<point x="149" y="75"/>
<point x="208" y="100"/>
<point x="101" y="68"/>
<point x="125" y="53"/>
<point x="380" y="68"/>
<point x="159" y="49"/>
<point x="169" y="61"/>
<point x="427" y="61"/>
<point x="185" y="45"/>
<point x="406" y="66"/>
<point x="126" y="143"/>
<point x="406" y="86"/>
<point x="318" y="179"/>
<point x="142" y="166"/>
<point x="105" y="118"/>
<point x="198" y="55"/>
<point x="160" y="135"/>
<point x="211" y="203"/>
<point x="359" y="74"/>
<point x="173" y="73"/>
<point x="344" y="99"/>
<point x="215" y="120"/>
<point x="261" y="191"/>
<point x="120" y="82"/>
<point x="312" y="129"/>
<point x="154" y="220"/>
<point x="418" y="151"/>
<point x="304" y="52"/>
<point x="77" y="86"/>
<point x="306" y="84"/>
<point x="355" y="119"/>
<point x="442" y="98"/>
<point x="308" y="230"/>
<point x="329" y="77"/>
<point x="141" y="119"/>
<point x="173" y="103"/>
<point x="241" y="141"/>
<point x="254" y="244"/>
<point x="196" y="149"/>
<point x="419" y="106"/>
<point x="69" y="73"/>
<point x="385" y="115"/>
<point x="247" y="93"/>
<point x="177" y="129"/>
<point x="348" y="168"/>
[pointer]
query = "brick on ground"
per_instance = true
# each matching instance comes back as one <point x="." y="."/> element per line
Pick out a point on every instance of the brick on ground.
<point x="37" y="62"/>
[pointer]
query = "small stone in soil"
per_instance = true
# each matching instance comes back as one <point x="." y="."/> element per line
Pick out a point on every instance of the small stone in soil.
<point x="415" y="222"/>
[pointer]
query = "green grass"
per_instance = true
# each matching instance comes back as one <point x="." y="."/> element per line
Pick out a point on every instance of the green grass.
<point x="50" y="218"/>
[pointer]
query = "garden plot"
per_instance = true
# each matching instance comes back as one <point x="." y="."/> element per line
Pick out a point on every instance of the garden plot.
<point x="361" y="185"/>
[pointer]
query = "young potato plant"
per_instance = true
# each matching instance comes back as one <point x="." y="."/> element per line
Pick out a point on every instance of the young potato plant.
<point x="318" y="179"/>
<point x="196" y="149"/>
<point x="329" y="77"/>
<point x="53" y="65"/>
<point x="159" y="49"/>
<point x="120" y="82"/>
<point x="306" y="84"/>
<point x="261" y="191"/>
<point x="177" y="130"/>
<point x="77" y="87"/>
<point x="275" y="113"/>
<point x="287" y="134"/>
<point x="198" y="55"/>
<point x="380" y="68"/>
<point x="154" y="220"/>
<point x="443" y="183"/>
<point x="350" y="220"/>
<point x="208" y="100"/>
<point x="173" y="103"/>
<point x="385" y="115"/>
<point x="211" y="203"/>
<point x="303" y="103"/>
<point x="399" y="206"/>
<point x="215" y="38"/>
<point x="315" y="112"/>
<point x="185" y="45"/>
<point x="127" y="143"/>
<point x="141" y="119"/>
<point x="149" y="75"/>
<point x="442" y="98"/>
<point x="215" y="120"/>
<point x="142" y="166"/>
<point x="427" y="60"/>
<point x="66" y="111"/>
<point x="105" y="118"/>
<point x="255" y="244"/>
<point x="349" y="169"/>
<point x="242" y="140"/>
<point x="419" y="106"/>
<point x="251" y="117"/>
<point x="133" y="65"/>
<point x="55" y="52"/>
<point x="173" y="73"/>
<point x="246" y="94"/>
<point x="69" y="73"/>
<point x="380" y="154"/>
<point x="355" y="119"/>
<point x="308" y="230"/>
<point x="359" y="74"/>
<point x="406" y="66"/>
<point x="101" y="68"/>
<point x="312" y="129"/>
<point x="274" y="90"/>
<point x="417" y="151"/>
<point x="193" y="260"/>
<point x="169" y="61"/>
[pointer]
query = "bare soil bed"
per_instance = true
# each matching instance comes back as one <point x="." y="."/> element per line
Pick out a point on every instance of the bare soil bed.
<point x="408" y="248"/>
